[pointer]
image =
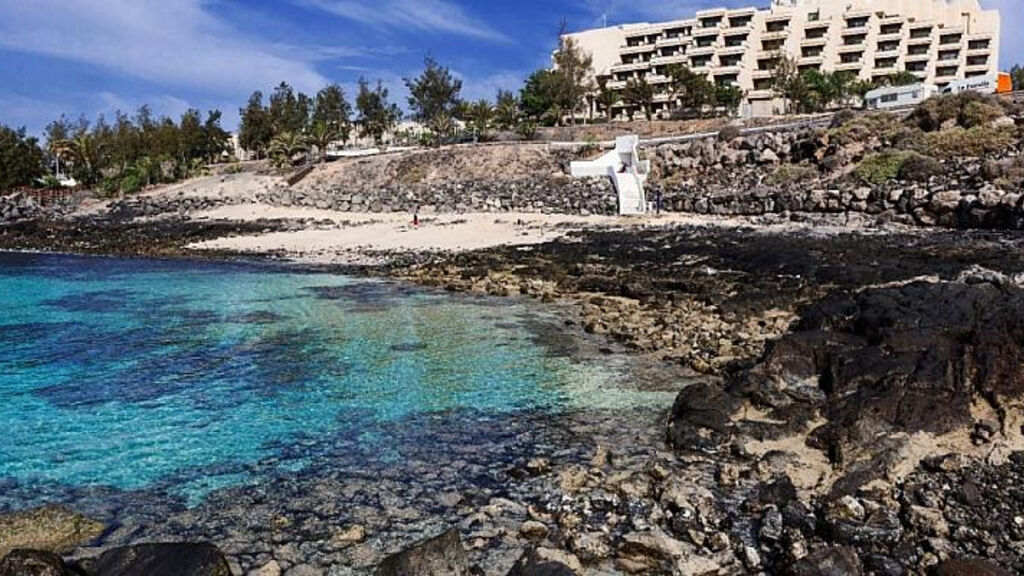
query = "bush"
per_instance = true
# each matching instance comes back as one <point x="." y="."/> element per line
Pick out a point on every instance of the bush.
<point x="527" y="130"/>
<point x="130" y="184"/>
<point x="966" y="109"/>
<point x="842" y="117"/>
<point x="791" y="174"/>
<point x="729" y="133"/>
<point x="861" y="128"/>
<point x="878" y="169"/>
<point x="919" y="168"/>
<point x="974" y="142"/>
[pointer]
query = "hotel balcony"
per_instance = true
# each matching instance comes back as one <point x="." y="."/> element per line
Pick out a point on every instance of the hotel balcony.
<point x="814" y="41"/>
<point x="642" y="49"/>
<point x="732" y="50"/>
<point x="976" y="68"/>
<point x="918" y="57"/>
<point x="891" y="20"/>
<point x="980" y="52"/>
<point x="897" y="37"/>
<point x="711" y="13"/>
<point x="846" y="49"/>
<point x="761" y="94"/>
<point x="616" y="84"/>
<point x="777" y="17"/>
<point x="630" y="67"/>
<point x="919" y="41"/>
<point x="762" y="74"/>
<point x="889" y="53"/>
<point x="726" y="70"/>
<point x="844" y="66"/>
<point x="669" y="60"/>
<point x="770" y="36"/>
<point x="860" y="30"/>
<point x="701" y="51"/>
<point x="704" y="32"/>
<point x="658" y="79"/>
<point x="677" y="41"/>
<point x="811" y="60"/>
<point x="701" y="69"/>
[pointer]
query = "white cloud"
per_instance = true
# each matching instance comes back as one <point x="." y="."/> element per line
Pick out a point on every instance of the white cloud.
<point x="172" y="43"/>
<point x="441" y="16"/>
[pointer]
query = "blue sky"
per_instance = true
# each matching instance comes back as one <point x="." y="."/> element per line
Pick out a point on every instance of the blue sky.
<point x="98" y="56"/>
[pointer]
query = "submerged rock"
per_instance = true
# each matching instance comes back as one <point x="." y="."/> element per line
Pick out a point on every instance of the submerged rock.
<point x="33" y="563"/>
<point x="50" y="528"/>
<point x="439" y="556"/>
<point x="160" y="560"/>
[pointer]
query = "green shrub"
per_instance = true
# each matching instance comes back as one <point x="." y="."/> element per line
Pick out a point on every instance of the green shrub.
<point x="861" y="128"/>
<point x="978" y="113"/>
<point x="966" y="109"/>
<point x="971" y="142"/>
<point x="527" y="130"/>
<point x="791" y="174"/>
<point x="919" y="168"/>
<point x="130" y="183"/>
<point x="879" y="168"/>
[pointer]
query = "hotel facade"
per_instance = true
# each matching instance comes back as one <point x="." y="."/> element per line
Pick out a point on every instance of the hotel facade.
<point x="938" y="41"/>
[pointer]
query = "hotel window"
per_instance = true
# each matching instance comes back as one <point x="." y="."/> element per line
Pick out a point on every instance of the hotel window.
<point x="950" y="39"/>
<point x="734" y="41"/>
<point x="978" y="45"/>
<point x="814" y="16"/>
<point x="891" y="29"/>
<point x="854" y="40"/>
<point x="812" y="51"/>
<point x="816" y="33"/>
<point x="777" y="26"/>
<point x="850" y="57"/>
<point x="705" y="41"/>
<point x="918" y="33"/>
<point x="977" y="61"/>
<point x="946" y="55"/>
<point x="771" y="45"/>
<point x="859" y="22"/>
<point x="918" y="50"/>
<point x="888" y="46"/>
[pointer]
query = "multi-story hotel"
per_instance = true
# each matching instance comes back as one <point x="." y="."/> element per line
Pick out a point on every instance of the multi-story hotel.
<point x="938" y="41"/>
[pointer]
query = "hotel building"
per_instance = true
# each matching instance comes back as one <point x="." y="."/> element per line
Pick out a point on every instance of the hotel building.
<point x="938" y="41"/>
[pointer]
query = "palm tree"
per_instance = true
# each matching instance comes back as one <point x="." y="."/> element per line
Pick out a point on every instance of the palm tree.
<point x="286" y="146"/>
<point x="506" y="113"/>
<point x="443" y="126"/>
<point x="482" y="114"/>
<point x="321" y="137"/>
<point x="84" y="154"/>
<point x="606" y="98"/>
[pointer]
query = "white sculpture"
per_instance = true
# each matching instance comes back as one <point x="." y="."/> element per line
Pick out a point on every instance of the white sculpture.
<point x="626" y="171"/>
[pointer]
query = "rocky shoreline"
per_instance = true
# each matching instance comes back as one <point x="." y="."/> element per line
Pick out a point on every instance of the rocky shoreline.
<point x="750" y="475"/>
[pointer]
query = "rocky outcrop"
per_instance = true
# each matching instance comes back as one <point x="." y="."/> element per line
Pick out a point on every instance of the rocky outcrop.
<point x="33" y="563"/>
<point x="21" y="206"/>
<point x="439" y="556"/>
<point x="50" y="528"/>
<point x="539" y="193"/>
<point x="160" y="560"/>
<point x="547" y="562"/>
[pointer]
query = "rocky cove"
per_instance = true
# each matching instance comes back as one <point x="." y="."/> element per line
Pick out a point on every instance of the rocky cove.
<point x="845" y="361"/>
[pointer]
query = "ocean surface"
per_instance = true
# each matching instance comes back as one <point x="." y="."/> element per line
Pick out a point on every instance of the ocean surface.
<point x="190" y="377"/>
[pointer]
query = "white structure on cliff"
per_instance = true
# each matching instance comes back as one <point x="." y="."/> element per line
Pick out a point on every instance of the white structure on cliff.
<point x="938" y="41"/>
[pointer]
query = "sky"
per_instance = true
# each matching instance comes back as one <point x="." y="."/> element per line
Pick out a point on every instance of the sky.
<point x="95" y="57"/>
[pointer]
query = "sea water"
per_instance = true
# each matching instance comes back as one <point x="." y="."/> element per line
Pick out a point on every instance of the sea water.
<point x="128" y="374"/>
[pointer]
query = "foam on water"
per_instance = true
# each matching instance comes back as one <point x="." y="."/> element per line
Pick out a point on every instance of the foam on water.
<point x="135" y="373"/>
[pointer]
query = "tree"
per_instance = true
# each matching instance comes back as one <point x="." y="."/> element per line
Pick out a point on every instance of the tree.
<point x="288" y="112"/>
<point x="21" y="158"/>
<point x="640" y="94"/>
<point x="333" y="110"/>
<point x="573" y="70"/>
<point x="321" y="136"/>
<point x="728" y="96"/>
<point x="901" y="78"/>
<point x="377" y="116"/>
<point x="256" y="129"/>
<point x="434" y="93"/>
<point x="215" y="138"/>
<point x="191" y="140"/>
<point x="538" y="98"/>
<point x="506" y="111"/>
<point x="286" y="146"/>
<point x="791" y="84"/>
<point x="86" y="156"/>
<point x="481" y="115"/>
<point x="691" y="90"/>
<point x="1017" y="77"/>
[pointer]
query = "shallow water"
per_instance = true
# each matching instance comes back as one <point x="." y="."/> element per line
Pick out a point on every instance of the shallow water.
<point x="185" y="378"/>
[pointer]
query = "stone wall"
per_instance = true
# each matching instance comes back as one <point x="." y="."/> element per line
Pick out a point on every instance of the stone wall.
<point x="735" y="178"/>
<point x="556" y="195"/>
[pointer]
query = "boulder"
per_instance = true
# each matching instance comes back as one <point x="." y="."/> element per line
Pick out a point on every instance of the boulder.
<point x="439" y="556"/>
<point x="839" y="561"/>
<point x="33" y="563"/>
<point x="970" y="567"/>
<point x="50" y="528"/>
<point x="547" y="562"/>
<point x="160" y="560"/>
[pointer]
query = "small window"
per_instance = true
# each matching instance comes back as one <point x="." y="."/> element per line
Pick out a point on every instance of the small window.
<point x="890" y="98"/>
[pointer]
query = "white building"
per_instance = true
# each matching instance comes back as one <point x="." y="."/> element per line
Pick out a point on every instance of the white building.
<point x="938" y="41"/>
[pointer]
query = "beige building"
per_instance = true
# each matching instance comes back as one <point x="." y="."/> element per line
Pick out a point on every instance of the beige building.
<point x="936" y="40"/>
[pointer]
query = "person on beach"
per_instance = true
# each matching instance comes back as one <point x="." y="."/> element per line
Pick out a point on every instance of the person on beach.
<point x="657" y="202"/>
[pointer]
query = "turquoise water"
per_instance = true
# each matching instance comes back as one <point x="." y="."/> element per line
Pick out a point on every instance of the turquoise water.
<point x="129" y="374"/>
